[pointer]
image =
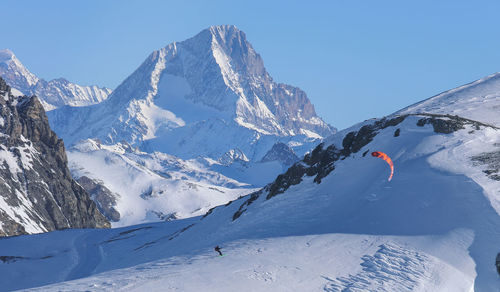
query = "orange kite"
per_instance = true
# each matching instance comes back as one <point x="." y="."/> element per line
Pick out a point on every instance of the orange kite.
<point x="387" y="159"/>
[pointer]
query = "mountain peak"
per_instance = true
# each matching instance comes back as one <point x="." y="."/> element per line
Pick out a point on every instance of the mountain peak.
<point x="14" y="71"/>
<point x="221" y="79"/>
<point x="53" y="93"/>
<point x="224" y="29"/>
<point x="6" y="55"/>
<point x="226" y="34"/>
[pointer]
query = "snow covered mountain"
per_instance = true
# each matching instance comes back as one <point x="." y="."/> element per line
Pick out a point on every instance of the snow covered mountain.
<point x="204" y="96"/>
<point x="206" y="105"/>
<point x="37" y="193"/>
<point x="52" y="94"/>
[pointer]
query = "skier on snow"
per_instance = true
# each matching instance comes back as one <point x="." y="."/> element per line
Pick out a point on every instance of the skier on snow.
<point x="217" y="249"/>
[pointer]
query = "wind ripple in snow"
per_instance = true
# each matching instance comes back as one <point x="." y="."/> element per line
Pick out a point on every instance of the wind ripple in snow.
<point x="391" y="268"/>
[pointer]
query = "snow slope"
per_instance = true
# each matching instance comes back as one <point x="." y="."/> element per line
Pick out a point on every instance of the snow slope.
<point x="153" y="187"/>
<point x="478" y="100"/>
<point x="52" y="94"/>
<point x="434" y="227"/>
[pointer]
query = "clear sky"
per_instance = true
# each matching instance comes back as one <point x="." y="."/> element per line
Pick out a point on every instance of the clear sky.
<point x="355" y="59"/>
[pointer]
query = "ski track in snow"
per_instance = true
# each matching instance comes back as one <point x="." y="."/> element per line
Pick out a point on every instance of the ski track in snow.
<point x="89" y="255"/>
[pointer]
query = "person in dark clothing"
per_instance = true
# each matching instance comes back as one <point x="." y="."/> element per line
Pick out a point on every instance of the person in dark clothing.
<point x="217" y="249"/>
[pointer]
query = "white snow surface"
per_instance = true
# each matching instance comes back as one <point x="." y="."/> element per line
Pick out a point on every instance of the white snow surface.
<point x="478" y="100"/>
<point x="152" y="187"/>
<point x="434" y="227"/>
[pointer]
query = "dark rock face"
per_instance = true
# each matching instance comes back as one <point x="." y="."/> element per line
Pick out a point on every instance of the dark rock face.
<point x="104" y="198"/>
<point x="282" y="153"/>
<point x="446" y="124"/>
<point x="37" y="192"/>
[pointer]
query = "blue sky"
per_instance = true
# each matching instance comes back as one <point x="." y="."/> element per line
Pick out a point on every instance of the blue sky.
<point x="355" y="59"/>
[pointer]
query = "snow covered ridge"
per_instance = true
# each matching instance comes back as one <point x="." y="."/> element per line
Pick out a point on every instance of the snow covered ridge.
<point x="37" y="193"/>
<point x="52" y="94"/>
<point x="478" y="100"/>
<point x="321" y="161"/>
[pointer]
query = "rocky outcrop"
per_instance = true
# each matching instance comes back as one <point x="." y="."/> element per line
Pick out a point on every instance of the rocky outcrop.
<point x="492" y="161"/>
<point x="282" y="153"/>
<point x="446" y="124"/>
<point x="104" y="198"/>
<point x="37" y="192"/>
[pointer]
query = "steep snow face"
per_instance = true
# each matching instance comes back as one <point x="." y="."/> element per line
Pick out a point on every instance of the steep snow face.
<point x="478" y="100"/>
<point x="332" y="222"/>
<point x="214" y="77"/>
<point x="52" y="94"/>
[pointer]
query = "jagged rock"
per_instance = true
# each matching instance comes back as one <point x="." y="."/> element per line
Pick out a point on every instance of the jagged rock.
<point x="37" y="193"/>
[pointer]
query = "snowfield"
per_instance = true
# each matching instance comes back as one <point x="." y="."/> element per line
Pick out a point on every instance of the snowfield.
<point x="153" y="187"/>
<point x="331" y="262"/>
<point x="434" y="227"/>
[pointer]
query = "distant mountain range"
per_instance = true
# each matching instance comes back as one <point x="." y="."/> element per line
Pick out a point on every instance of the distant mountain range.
<point x="52" y="94"/>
